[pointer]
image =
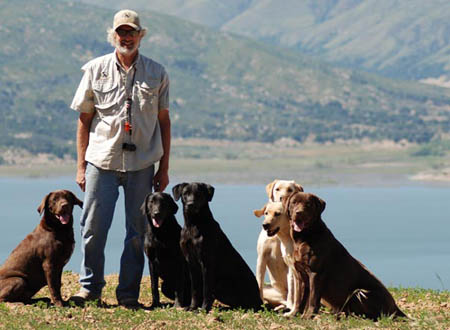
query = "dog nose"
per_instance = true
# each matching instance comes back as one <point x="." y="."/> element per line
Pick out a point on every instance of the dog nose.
<point x="266" y="226"/>
<point x="65" y="206"/>
<point x="189" y="204"/>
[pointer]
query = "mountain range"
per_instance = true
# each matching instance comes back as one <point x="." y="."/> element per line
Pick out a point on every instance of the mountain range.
<point x="223" y="86"/>
<point x="404" y="39"/>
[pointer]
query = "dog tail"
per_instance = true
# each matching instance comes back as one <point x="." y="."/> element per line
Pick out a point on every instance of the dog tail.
<point x="360" y="294"/>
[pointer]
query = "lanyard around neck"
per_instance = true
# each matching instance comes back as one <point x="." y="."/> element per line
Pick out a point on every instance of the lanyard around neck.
<point x="128" y="104"/>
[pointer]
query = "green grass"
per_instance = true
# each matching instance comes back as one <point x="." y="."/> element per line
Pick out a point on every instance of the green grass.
<point x="426" y="309"/>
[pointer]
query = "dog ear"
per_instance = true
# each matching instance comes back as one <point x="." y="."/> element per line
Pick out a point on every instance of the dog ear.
<point x="269" y="189"/>
<point x="210" y="190"/>
<point x="285" y="202"/>
<point x="144" y="208"/>
<point x="320" y="204"/>
<point x="299" y="187"/>
<point x="75" y="199"/>
<point x="43" y="204"/>
<point x="259" y="213"/>
<point x="176" y="190"/>
<point x="172" y="205"/>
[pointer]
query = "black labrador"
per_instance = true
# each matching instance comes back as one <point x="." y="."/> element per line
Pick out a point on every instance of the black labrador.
<point x="162" y="247"/>
<point x="217" y="270"/>
<point x="40" y="258"/>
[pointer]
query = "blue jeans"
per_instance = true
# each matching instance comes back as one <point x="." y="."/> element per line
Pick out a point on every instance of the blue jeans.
<point x="102" y="191"/>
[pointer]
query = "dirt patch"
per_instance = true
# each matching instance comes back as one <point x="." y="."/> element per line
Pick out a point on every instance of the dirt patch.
<point x="443" y="175"/>
<point x="19" y="157"/>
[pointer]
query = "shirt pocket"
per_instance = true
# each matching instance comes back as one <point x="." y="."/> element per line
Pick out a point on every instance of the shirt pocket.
<point x="148" y="94"/>
<point x="105" y="92"/>
<point x="107" y="119"/>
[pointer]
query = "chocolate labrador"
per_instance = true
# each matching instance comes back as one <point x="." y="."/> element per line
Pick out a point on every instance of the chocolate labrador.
<point x="217" y="270"/>
<point x="40" y="258"/>
<point x="162" y="247"/>
<point x="330" y="273"/>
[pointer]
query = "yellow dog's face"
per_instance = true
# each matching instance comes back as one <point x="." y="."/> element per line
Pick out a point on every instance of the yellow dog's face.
<point x="279" y="189"/>
<point x="275" y="219"/>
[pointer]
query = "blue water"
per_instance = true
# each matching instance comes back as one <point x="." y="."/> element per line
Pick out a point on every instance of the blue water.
<point x="402" y="234"/>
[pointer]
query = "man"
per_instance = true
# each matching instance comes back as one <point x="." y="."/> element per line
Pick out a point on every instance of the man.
<point x="123" y="129"/>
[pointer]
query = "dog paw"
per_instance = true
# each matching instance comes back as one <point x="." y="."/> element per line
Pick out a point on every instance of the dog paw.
<point x="291" y="313"/>
<point x="191" y="308"/>
<point x="206" y="308"/>
<point x="279" y="307"/>
<point x="155" y="305"/>
<point x="59" y="303"/>
<point x="308" y="316"/>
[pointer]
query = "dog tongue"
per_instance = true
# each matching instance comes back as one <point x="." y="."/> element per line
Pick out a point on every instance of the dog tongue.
<point x="155" y="222"/>
<point x="64" y="218"/>
<point x="297" y="227"/>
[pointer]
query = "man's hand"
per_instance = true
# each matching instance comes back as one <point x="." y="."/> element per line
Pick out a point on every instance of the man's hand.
<point x="160" y="180"/>
<point x="81" y="178"/>
<point x="84" y="124"/>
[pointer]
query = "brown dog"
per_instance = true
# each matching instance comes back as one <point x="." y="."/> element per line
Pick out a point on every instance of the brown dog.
<point x="39" y="259"/>
<point x="330" y="273"/>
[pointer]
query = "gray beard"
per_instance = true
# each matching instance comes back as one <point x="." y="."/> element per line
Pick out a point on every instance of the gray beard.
<point x="125" y="50"/>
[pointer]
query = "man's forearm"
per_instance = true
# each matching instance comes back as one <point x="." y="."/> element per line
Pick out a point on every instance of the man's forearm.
<point x="165" y="126"/>
<point x="84" y="124"/>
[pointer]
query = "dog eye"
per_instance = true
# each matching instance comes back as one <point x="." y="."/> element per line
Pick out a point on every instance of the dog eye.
<point x="277" y="189"/>
<point x="289" y="190"/>
<point x="277" y="214"/>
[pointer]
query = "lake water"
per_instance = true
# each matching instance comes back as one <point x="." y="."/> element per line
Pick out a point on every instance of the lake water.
<point x="402" y="234"/>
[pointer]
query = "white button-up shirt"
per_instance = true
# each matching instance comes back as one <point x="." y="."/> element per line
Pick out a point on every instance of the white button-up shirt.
<point x="104" y="89"/>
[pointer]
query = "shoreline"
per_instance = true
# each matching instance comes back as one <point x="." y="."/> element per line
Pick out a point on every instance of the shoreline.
<point x="358" y="163"/>
<point x="252" y="176"/>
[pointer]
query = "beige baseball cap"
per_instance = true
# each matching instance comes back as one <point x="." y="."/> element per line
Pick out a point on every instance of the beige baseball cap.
<point x="127" y="17"/>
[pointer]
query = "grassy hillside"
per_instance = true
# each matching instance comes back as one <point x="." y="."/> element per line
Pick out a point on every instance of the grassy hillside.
<point x="403" y="39"/>
<point x="222" y="86"/>
<point x="406" y="39"/>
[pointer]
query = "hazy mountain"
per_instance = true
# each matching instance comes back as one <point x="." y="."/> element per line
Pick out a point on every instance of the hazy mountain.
<point x="213" y="13"/>
<point x="406" y="39"/>
<point x="222" y="86"/>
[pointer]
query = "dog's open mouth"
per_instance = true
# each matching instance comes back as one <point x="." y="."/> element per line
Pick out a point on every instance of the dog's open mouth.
<point x="298" y="227"/>
<point x="272" y="232"/>
<point x="157" y="221"/>
<point x="63" y="218"/>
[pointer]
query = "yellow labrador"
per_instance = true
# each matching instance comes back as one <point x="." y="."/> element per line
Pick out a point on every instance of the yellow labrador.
<point x="276" y="224"/>
<point x="270" y="252"/>
<point x="279" y="189"/>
